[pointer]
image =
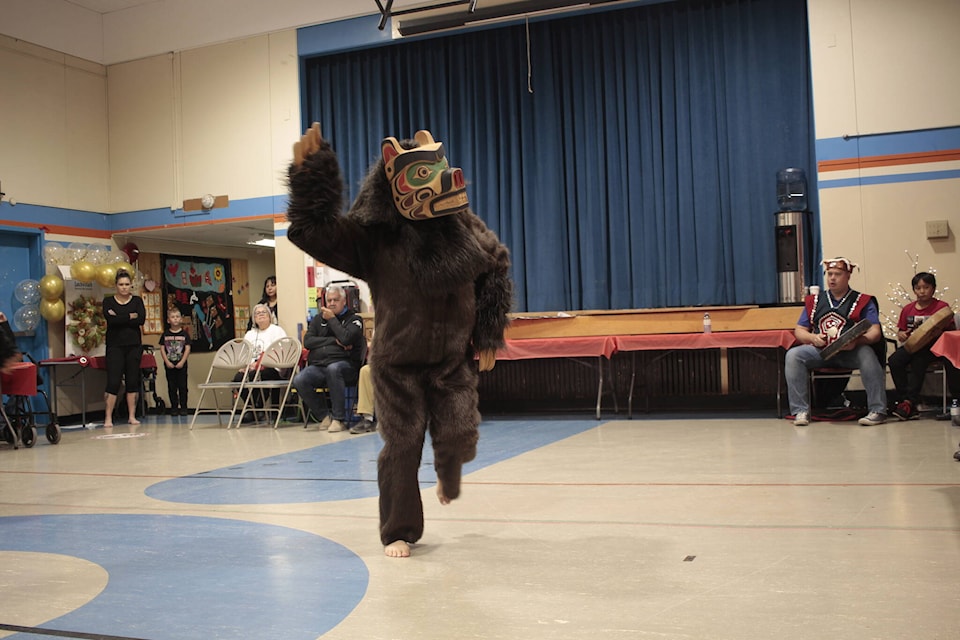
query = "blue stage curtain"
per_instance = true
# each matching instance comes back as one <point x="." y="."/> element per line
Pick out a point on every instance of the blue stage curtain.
<point x="634" y="167"/>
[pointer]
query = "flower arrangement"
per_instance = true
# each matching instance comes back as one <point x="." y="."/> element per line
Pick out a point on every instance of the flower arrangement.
<point x="89" y="327"/>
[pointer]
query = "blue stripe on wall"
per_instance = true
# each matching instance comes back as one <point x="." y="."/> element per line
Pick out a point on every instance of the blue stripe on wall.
<point x="889" y="179"/>
<point x="38" y="215"/>
<point x="888" y="144"/>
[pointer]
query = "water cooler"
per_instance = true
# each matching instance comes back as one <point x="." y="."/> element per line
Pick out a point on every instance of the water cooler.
<point x="790" y="234"/>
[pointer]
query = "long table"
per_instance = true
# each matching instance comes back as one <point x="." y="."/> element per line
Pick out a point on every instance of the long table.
<point x="781" y="339"/>
<point x="82" y="363"/>
<point x="604" y="347"/>
<point x="948" y="346"/>
<point x="576" y="348"/>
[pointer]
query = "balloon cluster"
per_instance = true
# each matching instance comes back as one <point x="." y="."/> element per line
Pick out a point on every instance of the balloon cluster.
<point x="27" y="317"/>
<point x="88" y="263"/>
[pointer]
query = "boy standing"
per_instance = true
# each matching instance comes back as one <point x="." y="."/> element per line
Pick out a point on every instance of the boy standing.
<point x="175" y="348"/>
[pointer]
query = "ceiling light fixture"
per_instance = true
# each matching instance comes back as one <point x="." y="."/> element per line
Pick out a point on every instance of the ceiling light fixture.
<point x="262" y="240"/>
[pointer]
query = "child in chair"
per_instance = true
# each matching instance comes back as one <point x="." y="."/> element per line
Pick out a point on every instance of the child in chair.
<point x="908" y="369"/>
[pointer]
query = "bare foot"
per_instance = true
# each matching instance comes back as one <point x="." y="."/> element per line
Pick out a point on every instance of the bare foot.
<point x="397" y="549"/>
<point x="133" y="421"/>
<point x="108" y="425"/>
<point x="441" y="495"/>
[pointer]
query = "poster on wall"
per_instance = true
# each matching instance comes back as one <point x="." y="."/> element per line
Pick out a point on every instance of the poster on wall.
<point x="200" y="289"/>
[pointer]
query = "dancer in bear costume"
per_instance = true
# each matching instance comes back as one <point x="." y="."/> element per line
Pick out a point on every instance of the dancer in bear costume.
<point x="440" y="284"/>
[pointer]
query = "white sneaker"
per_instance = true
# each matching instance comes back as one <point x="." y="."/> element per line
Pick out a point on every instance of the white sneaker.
<point x="325" y="423"/>
<point x="802" y="419"/>
<point x="872" y="419"/>
<point x="335" y="426"/>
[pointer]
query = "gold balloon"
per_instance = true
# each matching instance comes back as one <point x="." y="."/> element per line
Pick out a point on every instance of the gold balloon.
<point x="107" y="275"/>
<point x="126" y="266"/>
<point x="83" y="271"/>
<point x="51" y="287"/>
<point x="52" y="310"/>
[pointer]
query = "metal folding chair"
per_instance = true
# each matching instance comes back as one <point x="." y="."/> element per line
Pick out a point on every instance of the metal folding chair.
<point x="285" y="355"/>
<point x="232" y="357"/>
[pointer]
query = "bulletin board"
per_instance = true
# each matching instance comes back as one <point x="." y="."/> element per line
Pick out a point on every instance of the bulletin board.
<point x="153" y="302"/>
<point x="201" y="288"/>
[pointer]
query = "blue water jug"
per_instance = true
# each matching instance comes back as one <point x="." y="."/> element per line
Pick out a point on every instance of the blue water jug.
<point x="792" y="189"/>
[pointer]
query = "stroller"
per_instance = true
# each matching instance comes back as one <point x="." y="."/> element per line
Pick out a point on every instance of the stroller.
<point x="18" y="421"/>
<point x="148" y="383"/>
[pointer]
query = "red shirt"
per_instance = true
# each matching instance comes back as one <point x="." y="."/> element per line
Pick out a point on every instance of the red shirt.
<point x="910" y="311"/>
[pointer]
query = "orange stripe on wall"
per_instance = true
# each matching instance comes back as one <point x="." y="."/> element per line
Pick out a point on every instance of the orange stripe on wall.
<point x="202" y="223"/>
<point x="889" y="160"/>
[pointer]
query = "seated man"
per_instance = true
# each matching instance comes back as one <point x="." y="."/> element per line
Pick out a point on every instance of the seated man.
<point x="335" y="341"/>
<point x="824" y="318"/>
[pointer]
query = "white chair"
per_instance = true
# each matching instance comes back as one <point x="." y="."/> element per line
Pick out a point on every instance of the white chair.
<point x="284" y="354"/>
<point x="232" y="357"/>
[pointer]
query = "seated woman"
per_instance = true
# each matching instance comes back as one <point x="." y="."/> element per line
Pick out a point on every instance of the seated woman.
<point x="269" y="298"/>
<point x="262" y="335"/>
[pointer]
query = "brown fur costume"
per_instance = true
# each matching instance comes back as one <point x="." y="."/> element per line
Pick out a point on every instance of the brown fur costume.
<point x="441" y="290"/>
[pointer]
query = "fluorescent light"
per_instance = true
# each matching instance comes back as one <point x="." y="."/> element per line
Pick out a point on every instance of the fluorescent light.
<point x="263" y="242"/>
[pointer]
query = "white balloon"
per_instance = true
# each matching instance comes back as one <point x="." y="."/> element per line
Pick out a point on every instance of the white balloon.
<point x="80" y="250"/>
<point x="53" y="253"/>
<point x="27" y="317"/>
<point x="28" y="291"/>
<point x="95" y="254"/>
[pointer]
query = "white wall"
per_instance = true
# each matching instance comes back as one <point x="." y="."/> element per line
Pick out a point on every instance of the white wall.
<point x="153" y="28"/>
<point x="882" y="67"/>
<point x="53" y="128"/>
<point x="217" y="120"/>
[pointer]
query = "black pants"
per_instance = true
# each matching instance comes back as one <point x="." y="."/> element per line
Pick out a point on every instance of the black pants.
<point x="908" y="371"/>
<point x="177" y="386"/>
<point x="123" y="364"/>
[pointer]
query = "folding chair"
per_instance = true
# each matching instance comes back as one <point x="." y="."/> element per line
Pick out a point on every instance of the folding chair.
<point x="283" y="354"/>
<point x="938" y="367"/>
<point x="881" y="349"/>
<point x="232" y="357"/>
<point x="351" y="394"/>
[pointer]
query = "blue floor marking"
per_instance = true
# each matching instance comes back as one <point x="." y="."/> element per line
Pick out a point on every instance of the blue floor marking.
<point x="187" y="577"/>
<point x="347" y="469"/>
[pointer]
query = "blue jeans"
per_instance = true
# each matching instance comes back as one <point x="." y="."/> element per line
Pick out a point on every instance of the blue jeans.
<point x="799" y="360"/>
<point x="335" y="377"/>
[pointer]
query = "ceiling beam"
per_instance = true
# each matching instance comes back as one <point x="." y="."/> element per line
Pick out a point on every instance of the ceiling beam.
<point x="386" y="10"/>
<point x="519" y="9"/>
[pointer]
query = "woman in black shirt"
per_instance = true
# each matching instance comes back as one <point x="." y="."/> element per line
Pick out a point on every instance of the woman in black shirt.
<point x="125" y="314"/>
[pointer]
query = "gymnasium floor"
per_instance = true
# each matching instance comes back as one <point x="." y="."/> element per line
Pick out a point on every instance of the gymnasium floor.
<point x="661" y="527"/>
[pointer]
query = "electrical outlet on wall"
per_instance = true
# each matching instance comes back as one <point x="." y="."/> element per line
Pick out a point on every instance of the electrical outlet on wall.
<point x="937" y="229"/>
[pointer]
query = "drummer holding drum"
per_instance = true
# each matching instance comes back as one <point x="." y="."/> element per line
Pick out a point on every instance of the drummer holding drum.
<point x="835" y="316"/>
<point x="921" y="323"/>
